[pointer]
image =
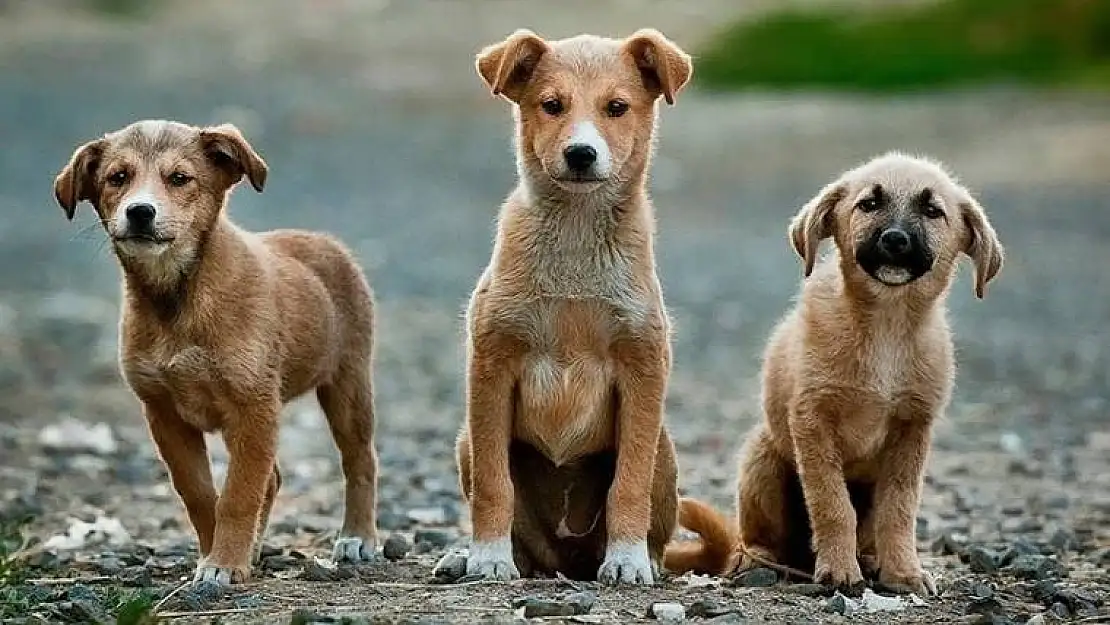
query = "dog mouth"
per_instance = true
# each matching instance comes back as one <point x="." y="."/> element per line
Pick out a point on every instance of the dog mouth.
<point x="143" y="239"/>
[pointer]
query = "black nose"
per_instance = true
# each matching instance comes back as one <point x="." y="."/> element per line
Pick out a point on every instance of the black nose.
<point x="140" y="215"/>
<point x="894" y="242"/>
<point x="579" y="157"/>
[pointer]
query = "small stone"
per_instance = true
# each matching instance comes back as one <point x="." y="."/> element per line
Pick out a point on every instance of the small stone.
<point x="568" y="605"/>
<point x="279" y="563"/>
<point x="269" y="551"/>
<point x="808" y="590"/>
<point x="1019" y="547"/>
<point x="201" y="595"/>
<point x="89" y="611"/>
<point x="982" y="560"/>
<point x="391" y="521"/>
<point x="1063" y="540"/>
<point x="667" y="612"/>
<point x="80" y="592"/>
<point x="1035" y="567"/>
<point x="136" y="576"/>
<point x="757" y="578"/>
<point x="395" y="547"/>
<point x="71" y="435"/>
<point x="319" y="570"/>
<point x="947" y="545"/>
<point x="873" y="602"/>
<point x="708" y="608"/>
<point x="1060" y="610"/>
<point x="1044" y="590"/>
<point x="432" y="539"/>
<point x="982" y="591"/>
<point x="839" y="604"/>
<point x="1102" y="557"/>
<point x="109" y="566"/>
<point x="249" y="602"/>
<point x="1037" y="619"/>
<point x="428" y="516"/>
<point x="984" y="605"/>
<point x="451" y="566"/>
<point x="1077" y="600"/>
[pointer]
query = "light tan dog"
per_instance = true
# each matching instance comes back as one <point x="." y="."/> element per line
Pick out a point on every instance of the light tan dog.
<point x="219" y="327"/>
<point x="853" y="379"/>
<point x="564" y="459"/>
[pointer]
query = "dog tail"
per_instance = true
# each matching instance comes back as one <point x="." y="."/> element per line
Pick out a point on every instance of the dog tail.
<point x="709" y="554"/>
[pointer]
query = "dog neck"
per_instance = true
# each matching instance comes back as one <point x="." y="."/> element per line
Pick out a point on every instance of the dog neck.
<point x="167" y="285"/>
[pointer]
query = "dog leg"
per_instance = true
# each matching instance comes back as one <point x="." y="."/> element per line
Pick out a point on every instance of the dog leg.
<point x="251" y="439"/>
<point x="489" y="423"/>
<point x="897" y="495"/>
<point x="664" y="500"/>
<point x="827" y="502"/>
<point x="761" y="500"/>
<point x="264" y="519"/>
<point x="641" y="384"/>
<point x="865" y="542"/>
<point x="185" y="454"/>
<point x="349" y="406"/>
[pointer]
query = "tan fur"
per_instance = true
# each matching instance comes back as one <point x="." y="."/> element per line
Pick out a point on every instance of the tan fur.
<point x="568" y="347"/>
<point x="219" y="327"/>
<point x="853" y="379"/>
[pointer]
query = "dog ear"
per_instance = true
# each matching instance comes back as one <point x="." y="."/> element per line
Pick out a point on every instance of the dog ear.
<point x="507" y="66"/>
<point x="665" y="68"/>
<point x="77" y="180"/>
<point x="982" y="245"/>
<point x="225" y="146"/>
<point x="814" y="223"/>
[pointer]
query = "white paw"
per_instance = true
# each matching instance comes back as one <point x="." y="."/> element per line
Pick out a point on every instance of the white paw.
<point x="492" y="560"/>
<point x="354" y="549"/>
<point x="221" y="575"/>
<point x="626" y="563"/>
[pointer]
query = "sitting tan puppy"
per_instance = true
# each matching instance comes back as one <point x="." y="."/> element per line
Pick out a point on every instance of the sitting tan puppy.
<point x="564" y="459"/>
<point x="220" y="327"/>
<point x="853" y="379"/>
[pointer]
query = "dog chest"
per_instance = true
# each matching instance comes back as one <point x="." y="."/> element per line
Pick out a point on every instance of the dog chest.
<point x="188" y="377"/>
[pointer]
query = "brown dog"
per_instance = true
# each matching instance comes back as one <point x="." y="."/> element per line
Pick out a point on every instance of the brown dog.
<point x="564" y="459"/>
<point x="220" y="327"/>
<point x="853" y="379"/>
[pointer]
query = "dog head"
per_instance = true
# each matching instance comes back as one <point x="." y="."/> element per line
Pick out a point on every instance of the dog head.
<point x="899" y="219"/>
<point x="585" y="106"/>
<point x="158" y="187"/>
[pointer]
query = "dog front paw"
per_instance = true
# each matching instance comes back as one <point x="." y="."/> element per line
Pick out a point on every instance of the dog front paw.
<point x="222" y="575"/>
<point x="627" y="563"/>
<point x="841" y="573"/>
<point x="492" y="560"/>
<point x="919" y="582"/>
<point x="354" y="549"/>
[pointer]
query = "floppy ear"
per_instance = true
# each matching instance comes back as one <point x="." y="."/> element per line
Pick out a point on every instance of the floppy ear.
<point x="664" y="66"/>
<point x="982" y="245"/>
<point x="76" y="181"/>
<point x="507" y="66"/>
<point x="225" y="146"/>
<point x="814" y="223"/>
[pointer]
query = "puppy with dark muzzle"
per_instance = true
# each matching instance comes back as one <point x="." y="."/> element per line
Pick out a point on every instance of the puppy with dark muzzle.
<point x="853" y="379"/>
<point x="220" y="327"/>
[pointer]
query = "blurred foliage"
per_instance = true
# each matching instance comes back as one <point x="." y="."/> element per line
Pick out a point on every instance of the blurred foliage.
<point x="950" y="42"/>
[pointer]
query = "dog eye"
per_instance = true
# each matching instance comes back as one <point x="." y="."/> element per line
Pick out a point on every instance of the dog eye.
<point x="117" y="179"/>
<point x="868" y="204"/>
<point x="932" y="212"/>
<point x="552" y="106"/>
<point x="616" y="108"/>
<point x="179" y="179"/>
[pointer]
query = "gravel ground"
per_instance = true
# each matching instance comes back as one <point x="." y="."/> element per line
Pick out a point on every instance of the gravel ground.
<point x="408" y="159"/>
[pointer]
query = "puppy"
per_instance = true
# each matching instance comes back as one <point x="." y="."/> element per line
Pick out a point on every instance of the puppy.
<point x="564" y="459"/>
<point x="219" y="327"/>
<point x="853" y="379"/>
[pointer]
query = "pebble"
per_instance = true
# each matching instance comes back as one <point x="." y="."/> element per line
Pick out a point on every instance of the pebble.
<point x="947" y="545"/>
<point x="279" y="563"/>
<point x="839" y="604"/>
<point x="1060" y="610"/>
<point x="249" y="602"/>
<point x="667" y="612"/>
<point x="982" y="560"/>
<point x="451" y="566"/>
<point x="428" y="516"/>
<point x="569" y="605"/>
<point x="708" y="608"/>
<point x="1044" y="590"/>
<point x="1035" y="567"/>
<point x="1077" y="600"/>
<point x="136" y="576"/>
<point x="807" y="590"/>
<point x="71" y="435"/>
<point x="109" y="566"/>
<point x="1037" y="619"/>
<point x="757" y="578"/>
<point x="319" y="570"/>
<point x="201" y="595"/>
<point x="395" y="547"/>
<point x="1063" y="541"/>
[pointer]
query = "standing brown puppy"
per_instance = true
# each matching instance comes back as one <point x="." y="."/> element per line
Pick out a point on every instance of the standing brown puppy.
<point x="219" y="327"/>
<point x="564" y="459"/>
<point x="853" y="379"/>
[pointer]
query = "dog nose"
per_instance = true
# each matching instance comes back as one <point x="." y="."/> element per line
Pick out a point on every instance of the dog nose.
<point x="894" y="241"/>
<point x="140" y="215"/>
<point x="580" y="157"/>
